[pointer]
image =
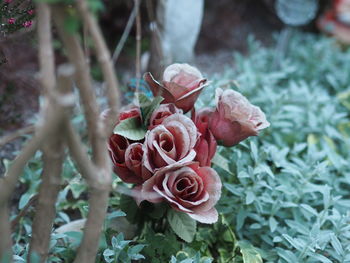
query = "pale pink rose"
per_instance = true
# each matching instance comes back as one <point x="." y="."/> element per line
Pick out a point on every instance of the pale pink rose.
<point x="181" y="85"/>
<point x="163" y="111"/>
<point x="206" y="144"/>
<point x="188" y="188"/>
<point x="170" y="142"/>
<point x="235" y="118"/>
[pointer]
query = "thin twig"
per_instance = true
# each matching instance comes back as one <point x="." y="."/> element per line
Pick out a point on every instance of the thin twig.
<point x="125" y="35"/>
<point x="138" y="45"/>
<point x="24" y="211"/>
<point x="79" y="154"/>
<point x="16" y="134"/>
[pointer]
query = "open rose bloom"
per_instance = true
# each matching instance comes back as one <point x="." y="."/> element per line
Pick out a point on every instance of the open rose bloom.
<point x="167" y="155"/>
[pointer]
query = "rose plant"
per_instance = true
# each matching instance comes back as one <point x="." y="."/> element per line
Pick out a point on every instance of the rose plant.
<point x="168" y="155"/>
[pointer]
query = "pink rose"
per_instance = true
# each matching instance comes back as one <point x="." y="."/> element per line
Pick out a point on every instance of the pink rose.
<point x="27" y="23"/>
<point x="163" y="111"/>
<point x="170" y="142"/>
<point x="181" y="85"/>
<point x="206" y="144"/>
<point x="235" y="119"/>
<point x="11" y="21"/>
<point x="190" y="189"/>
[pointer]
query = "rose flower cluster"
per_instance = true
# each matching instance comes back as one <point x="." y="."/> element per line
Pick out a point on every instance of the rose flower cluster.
<point x="171" y="161"/>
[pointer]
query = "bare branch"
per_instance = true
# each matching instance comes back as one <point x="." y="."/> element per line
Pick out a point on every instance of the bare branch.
<point x="105" y="61"/>
<point x="5" y="230"/>
<point x="51" y="176"/>
<point x="46" y="54"/>
<point x="100" y="180"/>
<point x="14" y="135"/>
<point x="83" y="80"/>
<point x="8" y="182"/>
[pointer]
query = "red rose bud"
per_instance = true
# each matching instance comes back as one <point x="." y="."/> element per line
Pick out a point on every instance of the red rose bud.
<point x="117" y="147"/>
<point x="181" y="85"/>
<point x="235" y="119"/>
<point x="206" y="144"/>
<point x="133" y="161"/>
<point x="130" y="113"/>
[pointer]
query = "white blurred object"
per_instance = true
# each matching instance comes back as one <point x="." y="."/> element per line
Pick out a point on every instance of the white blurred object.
<point x="179" y="23"/>
<point x="343" y="11"/>
<point x="296" y="12"/>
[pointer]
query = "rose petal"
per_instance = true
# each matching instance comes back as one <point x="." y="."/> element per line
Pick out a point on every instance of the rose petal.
<point x="157" y="89"/>
<point x="175" y="69"/>
<point x="205" y="217"/>
<point x="148" y="193"/>
<point x="212" y="184"/>
<point x="187" y="123"/>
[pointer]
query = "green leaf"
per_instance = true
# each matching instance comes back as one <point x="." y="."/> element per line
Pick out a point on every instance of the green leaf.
<point x="249" y="252"/>
<point x="72" y="23"/>
<point x="182" y="225"/>
<point x="344" y="98"/>
<point x="129" y="206"/>
<point x="115" y="214"/>
<point x="24" y="200"/>
<point x="130" y="128"/>
<point x="250" y="197"/>
<point x="273" y="224"/>
<point x="148" y="106"/>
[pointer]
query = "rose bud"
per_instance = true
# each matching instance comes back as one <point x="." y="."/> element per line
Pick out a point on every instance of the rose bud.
<point x="163" y="111"/>
<point x="133" y="161"/>
<point x="117" y="147"/>
<point x="188" y="188"/>
<point x="206" y="144"/>
<point x="170" y="142"/>
<point x="181" y="85"/>
<point x="235" y="118"/>
<point x="127" y="112"/>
